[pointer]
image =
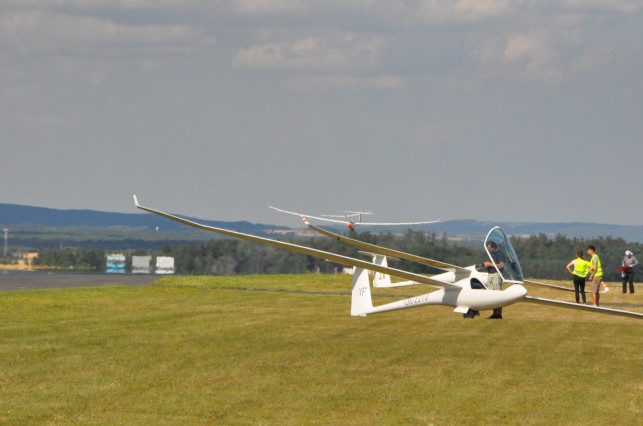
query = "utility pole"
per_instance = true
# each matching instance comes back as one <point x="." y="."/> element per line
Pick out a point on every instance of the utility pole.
<point x="6" y="241"/>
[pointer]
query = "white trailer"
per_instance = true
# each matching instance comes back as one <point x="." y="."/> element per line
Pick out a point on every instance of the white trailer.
<point x="141" y="264"/>
<point x="164" y="265"/>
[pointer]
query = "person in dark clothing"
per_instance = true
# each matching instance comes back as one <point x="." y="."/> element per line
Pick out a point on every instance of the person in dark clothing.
<point x="494" y="282"/>
<point x="629" y="261"/>
<point x="580" y="271"/>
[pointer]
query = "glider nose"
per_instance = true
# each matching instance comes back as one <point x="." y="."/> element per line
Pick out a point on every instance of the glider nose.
<point x="517" y="291"/>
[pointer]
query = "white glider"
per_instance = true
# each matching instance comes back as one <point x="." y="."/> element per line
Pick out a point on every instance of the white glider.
<point x="353" y="223"/>
<point x="461" y="288"/>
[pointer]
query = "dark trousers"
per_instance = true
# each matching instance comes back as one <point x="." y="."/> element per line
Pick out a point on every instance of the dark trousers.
<point x="579" y="287"/>
<point x="628" y="276"/>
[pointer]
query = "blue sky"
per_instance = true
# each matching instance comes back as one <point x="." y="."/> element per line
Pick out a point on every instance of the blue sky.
<point x="489" y="110"/>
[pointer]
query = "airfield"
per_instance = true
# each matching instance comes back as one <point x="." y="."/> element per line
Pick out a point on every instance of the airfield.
<point x="283" y="349"/>
<point x="42" y="280"/>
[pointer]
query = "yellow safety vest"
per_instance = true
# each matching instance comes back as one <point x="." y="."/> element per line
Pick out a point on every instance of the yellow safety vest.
<point x="599" y="268"/>
<point x="581" y="267"/>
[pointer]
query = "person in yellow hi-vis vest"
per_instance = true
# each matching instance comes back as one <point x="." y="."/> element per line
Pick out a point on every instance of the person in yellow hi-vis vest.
<point x="595" y="274"/>
<point x="581" y="269"/>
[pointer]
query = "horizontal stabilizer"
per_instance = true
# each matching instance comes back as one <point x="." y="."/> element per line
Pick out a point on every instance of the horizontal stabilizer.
<point x="368" y="253"/>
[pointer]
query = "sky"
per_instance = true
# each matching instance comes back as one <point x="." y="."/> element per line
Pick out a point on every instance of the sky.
<point x="492" y="110"/>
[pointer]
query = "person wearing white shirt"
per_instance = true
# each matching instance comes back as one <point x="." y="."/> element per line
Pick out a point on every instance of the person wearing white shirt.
<point x="629" y="261"/>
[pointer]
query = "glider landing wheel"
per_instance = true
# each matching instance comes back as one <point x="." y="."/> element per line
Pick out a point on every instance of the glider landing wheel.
<point x="471" y="314"/>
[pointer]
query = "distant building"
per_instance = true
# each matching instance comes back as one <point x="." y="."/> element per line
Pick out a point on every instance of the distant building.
<point x="115" y="263"/>
<point x="164" y="265"/>
<point x="27" y="259"/>
<point x="141" y="264"/>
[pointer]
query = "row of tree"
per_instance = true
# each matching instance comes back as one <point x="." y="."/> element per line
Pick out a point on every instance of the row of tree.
<point x="71" y="258"/>
<point x="540" y="256"/>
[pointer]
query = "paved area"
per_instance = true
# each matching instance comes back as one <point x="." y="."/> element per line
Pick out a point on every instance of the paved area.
<point x="40" y="280"/>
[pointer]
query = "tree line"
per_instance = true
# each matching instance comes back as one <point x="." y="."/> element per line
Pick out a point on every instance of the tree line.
<point x="540" y="257"/>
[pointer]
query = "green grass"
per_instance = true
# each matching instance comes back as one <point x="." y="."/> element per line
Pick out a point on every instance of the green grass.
<point x="194" y="350"/>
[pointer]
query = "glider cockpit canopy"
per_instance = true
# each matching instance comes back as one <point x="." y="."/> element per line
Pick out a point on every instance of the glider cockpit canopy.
<point x="511" y="271"/>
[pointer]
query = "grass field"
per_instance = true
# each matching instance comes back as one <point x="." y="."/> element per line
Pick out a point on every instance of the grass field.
<point x="190" y="350"/>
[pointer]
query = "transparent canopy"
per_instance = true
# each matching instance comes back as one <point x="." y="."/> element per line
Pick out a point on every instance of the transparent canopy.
<point x="503" y="256"/>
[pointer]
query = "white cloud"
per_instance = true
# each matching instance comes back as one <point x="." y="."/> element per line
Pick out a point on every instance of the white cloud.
<point x="520" y="46"/>
<point x="315" y="54"/>
<point x="384" y="12"/>
<point x="42" y="32"/>
<point x="537" y="58"/>
<point x="444" y="12"/>
<point x="540" y="56"/>
<point x="473" y="10"/>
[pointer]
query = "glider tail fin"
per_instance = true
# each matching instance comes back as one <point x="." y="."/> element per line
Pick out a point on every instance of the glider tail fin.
<point x="361" y="302"/>
<point x="380" y="279"/>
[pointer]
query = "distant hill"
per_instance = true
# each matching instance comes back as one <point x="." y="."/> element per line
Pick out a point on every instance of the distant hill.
<point x="14" y="215"/>
<point x="471" y="229"/>
<point x="18" y="215"/>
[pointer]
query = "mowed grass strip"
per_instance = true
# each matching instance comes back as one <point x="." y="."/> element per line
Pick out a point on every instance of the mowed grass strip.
<point x="195" y="350"/>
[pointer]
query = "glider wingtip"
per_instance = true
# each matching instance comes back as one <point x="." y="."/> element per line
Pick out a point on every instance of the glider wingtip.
<point x="135" y="200"/>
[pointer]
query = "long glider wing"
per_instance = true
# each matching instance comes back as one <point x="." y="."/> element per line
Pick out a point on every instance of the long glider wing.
<point x="328" y="219"/>
<point x="588" y="308"/>
<point x="343" y="260"/>
<point x="389" y="252"/>
<point x="396" y="223"/>
<point x="557" y="287"/>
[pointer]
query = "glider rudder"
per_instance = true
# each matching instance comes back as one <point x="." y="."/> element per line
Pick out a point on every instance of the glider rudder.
<point x="361" y="302"/>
